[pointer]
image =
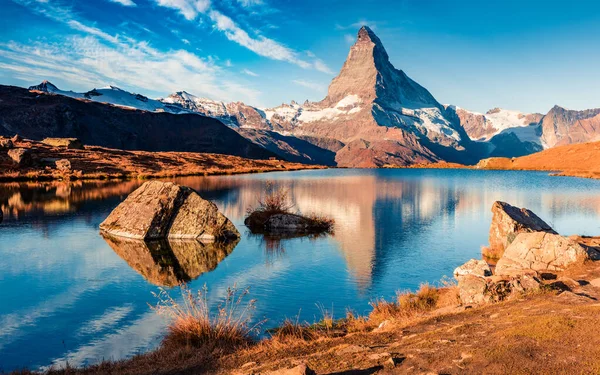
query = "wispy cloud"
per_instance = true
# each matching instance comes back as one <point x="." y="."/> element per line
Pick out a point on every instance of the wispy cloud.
<point x="185" y="41"/>
<point x="97" y="57"/>
<point x="262" y="46"/>
<point x="310" y="85"/>
<point x="349" y="38"/>
<point x="249" y="72"/>
<point x="188" y="8"/>
<point x="127" y="3"/>
<point x="259" y="44"/>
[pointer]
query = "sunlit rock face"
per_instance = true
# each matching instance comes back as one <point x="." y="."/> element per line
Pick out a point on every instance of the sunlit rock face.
<point x="170" y="263"/>
<point x="158" y="210"/>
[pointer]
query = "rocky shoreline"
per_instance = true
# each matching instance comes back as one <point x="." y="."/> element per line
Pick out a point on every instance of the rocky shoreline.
<point x="512" y="312"/>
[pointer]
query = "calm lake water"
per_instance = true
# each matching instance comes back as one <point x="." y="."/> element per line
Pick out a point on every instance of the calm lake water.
<point x="67" y="294"/>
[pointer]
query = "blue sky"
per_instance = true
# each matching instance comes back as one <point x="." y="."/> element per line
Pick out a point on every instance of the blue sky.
<point x="525" y="55"/>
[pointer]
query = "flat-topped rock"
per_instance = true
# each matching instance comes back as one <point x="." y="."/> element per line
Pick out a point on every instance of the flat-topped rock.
<point x="507" y="222"/>
<point x="158" y="210"/>
<point x="70" y="143"/>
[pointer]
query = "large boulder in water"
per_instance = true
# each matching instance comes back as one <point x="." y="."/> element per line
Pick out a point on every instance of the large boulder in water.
<point x="507" y="222"/>
<point x="542" y="251"/>
<point x="158" y="210"/>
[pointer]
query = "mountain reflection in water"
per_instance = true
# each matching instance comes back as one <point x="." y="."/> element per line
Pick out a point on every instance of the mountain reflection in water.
<point x="394" y="229"/>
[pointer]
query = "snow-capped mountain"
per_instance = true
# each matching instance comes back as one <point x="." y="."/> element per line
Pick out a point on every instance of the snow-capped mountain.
<point x="482" y="127"/>
<point x="112" y="95"/>
<point x="373" y="115"/>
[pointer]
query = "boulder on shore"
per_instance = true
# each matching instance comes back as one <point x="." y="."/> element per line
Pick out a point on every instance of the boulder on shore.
<point x="541" y="251"/>
<point x="473" y="267"/>
<point x="20" y="156"/>
<point x="507" y="222"/>
<point x="70" y="143"/>
<point x="63" y="165"/>
<point x="6" y="143"/>
<point x="158" y="210"/>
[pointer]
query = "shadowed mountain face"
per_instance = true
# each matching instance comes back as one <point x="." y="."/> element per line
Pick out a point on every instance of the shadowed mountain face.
<point x="38" y="116"/>
<point x="172" y="262"/>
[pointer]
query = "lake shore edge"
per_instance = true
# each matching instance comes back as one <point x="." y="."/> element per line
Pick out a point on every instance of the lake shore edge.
<point x="42" y="162"/>
<point x="540" y="294"/>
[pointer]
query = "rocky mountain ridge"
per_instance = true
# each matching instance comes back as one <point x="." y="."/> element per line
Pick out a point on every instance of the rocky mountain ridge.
<point x="374" y="115"/>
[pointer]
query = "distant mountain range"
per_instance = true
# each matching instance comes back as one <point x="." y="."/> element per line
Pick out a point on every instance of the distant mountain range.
<point x="374" y="115"/>
<point x="36" y="117"/>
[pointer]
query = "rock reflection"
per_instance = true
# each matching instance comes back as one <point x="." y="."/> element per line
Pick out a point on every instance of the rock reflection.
<point x="170" y="262"/>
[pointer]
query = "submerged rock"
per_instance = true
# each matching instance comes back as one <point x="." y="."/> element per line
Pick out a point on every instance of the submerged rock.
<point x="507" y="222"/>
<point x="541" y="251"/>
<point x="70" y="143"/>
<point x="158" y="210"/>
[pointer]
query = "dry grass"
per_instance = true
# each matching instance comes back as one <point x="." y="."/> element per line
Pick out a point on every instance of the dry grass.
<point x="193" y="323"/>
<point x="100" y="163"/>
<point x="275" y="201"/>
<point x="407" y="305"/>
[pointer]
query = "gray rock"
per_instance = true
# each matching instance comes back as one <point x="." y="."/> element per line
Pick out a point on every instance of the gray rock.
<point x="287" y="222"/>
<point x="165" y="210"/>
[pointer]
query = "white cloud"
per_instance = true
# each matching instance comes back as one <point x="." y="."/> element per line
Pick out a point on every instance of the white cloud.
<point x="228" y="63"/>
<point x="262" y="46"/>
<point x="188" y="8"/>
<point x="98" y="57"/>
<point x="349" y="38"/>
<point x="249" y="72"/>
<point x="185" y="41"/>
<point x="322" y="67"/>
<point x="127" y="3"/>
<point x="310" y="85"/>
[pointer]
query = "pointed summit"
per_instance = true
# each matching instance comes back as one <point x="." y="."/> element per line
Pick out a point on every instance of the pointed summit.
<point x="369" y="74"/>
<point x="45" y="86"/>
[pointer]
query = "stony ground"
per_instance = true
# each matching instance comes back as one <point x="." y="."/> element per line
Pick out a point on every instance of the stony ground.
<point x="554" y="332"/>
<point x="103" y="163"/>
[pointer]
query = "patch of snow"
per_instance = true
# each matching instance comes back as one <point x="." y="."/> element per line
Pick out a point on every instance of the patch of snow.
<point x="348" y="101"/>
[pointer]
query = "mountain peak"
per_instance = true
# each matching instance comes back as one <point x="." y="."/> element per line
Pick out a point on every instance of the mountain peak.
<point x="366" y="34"/>
<point x="45" y="86"/>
